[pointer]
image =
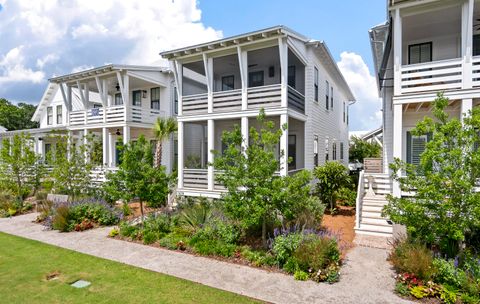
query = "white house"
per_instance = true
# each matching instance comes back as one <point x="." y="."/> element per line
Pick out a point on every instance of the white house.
<point x="224" y="83"/>
<point x="113" y="102"/>
<point x="425" y="47"/>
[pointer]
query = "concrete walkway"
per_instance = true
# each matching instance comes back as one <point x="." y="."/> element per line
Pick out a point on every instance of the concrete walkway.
<point x="365" y="278"/>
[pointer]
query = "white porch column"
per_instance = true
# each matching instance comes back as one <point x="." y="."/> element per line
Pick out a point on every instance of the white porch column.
<point x="177" y="69"/>
<point x="85" y="143"/>
<point x="69" y="143"/>
<point x="397" y="52"/>
<point x="112" y="140"/>
<point x="283" y="48"/>
<point x="245" y="133"/>
<point x="397" y="141"/>
<point x="284" y="146"/>
<point x="40" y="147"/>
<point x="105" y="145"/>
<point x="467" y="43"/>
<point x="211" y="147"/>
<point x="243" y="64"/>
<point x="208" y="65"/>
<point x="180" y="135"/>
<point x="126" y="135"/>
<point x="467" y="105"/>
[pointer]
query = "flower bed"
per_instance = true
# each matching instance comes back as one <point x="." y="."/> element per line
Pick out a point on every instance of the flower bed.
<point x="11" y="206"/>
<point x="80" y="215"/>
<point x="423" y="275"/>
<point x="204" y="230"/>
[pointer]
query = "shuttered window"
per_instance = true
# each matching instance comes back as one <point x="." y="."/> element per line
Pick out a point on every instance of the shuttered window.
<point x="420" y="53"/>
<point x="415" y="147"/>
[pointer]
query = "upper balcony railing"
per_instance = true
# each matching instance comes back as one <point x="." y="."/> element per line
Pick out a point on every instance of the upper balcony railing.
<point x="114" y="114"/>
<point x="432" y="76"/>
<point x="269" y="96"/>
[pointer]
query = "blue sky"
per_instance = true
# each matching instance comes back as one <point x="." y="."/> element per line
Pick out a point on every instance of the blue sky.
<point x="41" y="39"/>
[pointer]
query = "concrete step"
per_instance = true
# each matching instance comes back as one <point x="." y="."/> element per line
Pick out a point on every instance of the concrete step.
<point x="376" y="228"/>
<point x="382" y="198"/>
<point x="374" y="203"/>
<point x="374" y="221"/>
<point x="371" y="214"/>
<point x="373" y="233"/>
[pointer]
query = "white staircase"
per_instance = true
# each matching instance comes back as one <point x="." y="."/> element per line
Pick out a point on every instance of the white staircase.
<point x="371" y="197"/>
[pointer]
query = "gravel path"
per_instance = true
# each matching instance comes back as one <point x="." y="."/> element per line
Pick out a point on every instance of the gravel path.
<point x="365" y="278"/>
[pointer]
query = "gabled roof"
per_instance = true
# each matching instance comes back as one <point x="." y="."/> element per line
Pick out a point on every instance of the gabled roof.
<point x="279" y="30"/>
<point x="105" y="69"/>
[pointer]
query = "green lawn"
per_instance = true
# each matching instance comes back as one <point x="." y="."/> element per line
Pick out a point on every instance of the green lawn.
<point x="24" y="265"/>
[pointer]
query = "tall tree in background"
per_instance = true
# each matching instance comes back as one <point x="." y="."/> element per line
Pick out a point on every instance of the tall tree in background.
<point x="360" y="149"/>
<point x="162" y="129"/>
<point x="16" y="117"/>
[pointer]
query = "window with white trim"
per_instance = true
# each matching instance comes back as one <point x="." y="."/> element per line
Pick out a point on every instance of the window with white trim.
<point x="49" y="116"/>
<point x="315" y="150"/>
<point x="326" y="149"/>
<point x="341" y="150"/>
<point x="334" y="151"/>
<point x="155" y="98"/>
<point x="327" y="97"/>
<point x="59" y="114"/>
<point x="315" y="83"/>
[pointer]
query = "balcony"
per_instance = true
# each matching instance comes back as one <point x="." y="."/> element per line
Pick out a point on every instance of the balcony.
<point x="114" y="114"/>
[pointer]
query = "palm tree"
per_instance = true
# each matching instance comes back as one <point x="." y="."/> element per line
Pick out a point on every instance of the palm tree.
<point x="162" y="129"/>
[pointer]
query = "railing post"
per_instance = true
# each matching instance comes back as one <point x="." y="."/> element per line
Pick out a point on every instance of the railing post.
<point x="105" y="147"/>
<point x="467" y="43"/>
<point x="243" y="64"/>
<point x="284" y="146"/>
<point x="283" y="48"/>
<point x="358" y="206"/>
<point x="397" y="141"/>
<point x="180" y="134"/>
<point x="211" y="147"/>
<point x="397" y="52"/>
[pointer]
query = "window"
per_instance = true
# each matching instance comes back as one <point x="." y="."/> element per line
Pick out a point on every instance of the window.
<point x="155" y="98"/>
<point x="419" y="53"/>
<point x="228" y="83"/>
<point x="48" y="153"/>
<point x="59" y="115"/>
<point x="476" y="45"/>
<point x="292" y="152"/>
<point x="175" y="101"/>
<point x="341" y="150"/>
<point x="255" y="79"/>
<point x="97" y="106"/>
<point x="137" y="98"/>
<point x="327" y="90"/>
<point x="315" y="150"/>
<point x="334" y="151"/>
<point x="415" y="147"/>
<point x="118" y="99"/>
<point x="49" y="115"/>
<point x="315" y="83"/>
<point x="331" y="98"/>
<point x="344" y="105"/>
<point x="326" y="149"/>
<point x="348" y="114"/>
<point x="291" y="76"/>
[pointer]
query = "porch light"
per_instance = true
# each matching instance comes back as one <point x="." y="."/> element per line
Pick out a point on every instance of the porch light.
<point x="144" y="94"/>
<point x="118" y="132"/>
<point x="117" y="87"/>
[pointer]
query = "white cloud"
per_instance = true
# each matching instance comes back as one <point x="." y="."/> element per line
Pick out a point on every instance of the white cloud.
<point x="12" y="68"/>
<point x="91" y="32"/>
<point x="366" y="113"/>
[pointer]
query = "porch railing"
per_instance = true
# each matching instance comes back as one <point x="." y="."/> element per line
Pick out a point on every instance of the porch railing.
<point x="195" y="178"/>
<point x="476" y="71"/>
<point x="227" y="101"/>
<point x="195" y="104"/>
<point x="142" y="115"/>
<point x="296" y="100"/>
<point x="432" y="76"/>
<point x="264" y="97"/>
<point x="360" y="194"/>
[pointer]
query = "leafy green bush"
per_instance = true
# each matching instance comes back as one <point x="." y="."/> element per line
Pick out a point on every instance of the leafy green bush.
<point x="61" y="219"/>
<point x="346" y="197"/>
<point x="412" y="257"/>
<point x="212" y="247"/>
<point x="173" y="240"/>
<point x="128" y="230"/>
<point x="316" y="253"/>
<point x="331" y="177"/>
<point x="291" y="265"/>
<point x="300" y="275"/>
<point x="149" y="237"/>
<point x="285" y="245"/>
<point x="447" y="273"/>
<point x="258" y="258"/>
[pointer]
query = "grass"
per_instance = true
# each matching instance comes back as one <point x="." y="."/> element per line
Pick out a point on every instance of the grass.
<point x="25" y="264"/>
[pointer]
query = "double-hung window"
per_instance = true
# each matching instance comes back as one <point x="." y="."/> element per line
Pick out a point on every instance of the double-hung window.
<point x="228" y="83"/>
<point x="420" y="53"/>
<point x="315" y="83"/>
<point x="137" y="98"/>
<point x="334" y="151"/>
<point x="315" y="150"/>
<point x="255" y="79"/>
<point x="59" y="115"/>
<point x="49" y="116"/>
<point x="326" y="149"/>
<point x="331" y="98"/>
<point x="415" y="147"/>
<point x="344" y="105"/>
<point x="327" y="97"/>
<point x="175" y="101"/>
<point x="292" y="151"/>
<point x="341" y="150"/>
<point x="118" y="101"/>
<point x="155" y="98"/>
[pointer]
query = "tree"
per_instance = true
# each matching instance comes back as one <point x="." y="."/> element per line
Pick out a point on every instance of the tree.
<point x="71" y="166"/>
<point x="20" y="167"/>
<point x="256" y="195"/>
<point x="445" y="211"/>
<point x="16" y="117"/>
<point x="137" y="178"/>
<point x="361" y="149"/>
<point x="162" y="129"/>
<point x="331" y="177"/>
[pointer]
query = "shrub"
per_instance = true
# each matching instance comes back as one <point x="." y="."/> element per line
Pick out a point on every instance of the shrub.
<point x="149" y="237"/>
<point x="158" y="223"/>
<point x="196" y="215"/>
<point x="173" y="241"/>
<point x="402" y="289"/>
<point x="408" y="257"/>
<point x="347" y="197"/>
<point x="128" y="230"/>
<point x="284" y="246"/>
<point x="316" y="253"/>
<point x="258" y="258"/>
<point x="212" y="247"/>
<point x="331" y="177"/>
<point x="291" y="265"/>
<point x="113" y="233"/>
<point x="300" y="275"/>
<point x="61" y="218"/>
<point x="447" y="273"/>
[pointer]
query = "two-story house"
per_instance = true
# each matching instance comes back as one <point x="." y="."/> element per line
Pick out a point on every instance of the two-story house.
<point x="116" y="103"/>
<point x="226" y="82"/>
<point x="425" y="47"/>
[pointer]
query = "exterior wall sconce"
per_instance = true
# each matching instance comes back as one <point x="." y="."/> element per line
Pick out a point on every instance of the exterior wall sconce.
<point x="144" y="94"/>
